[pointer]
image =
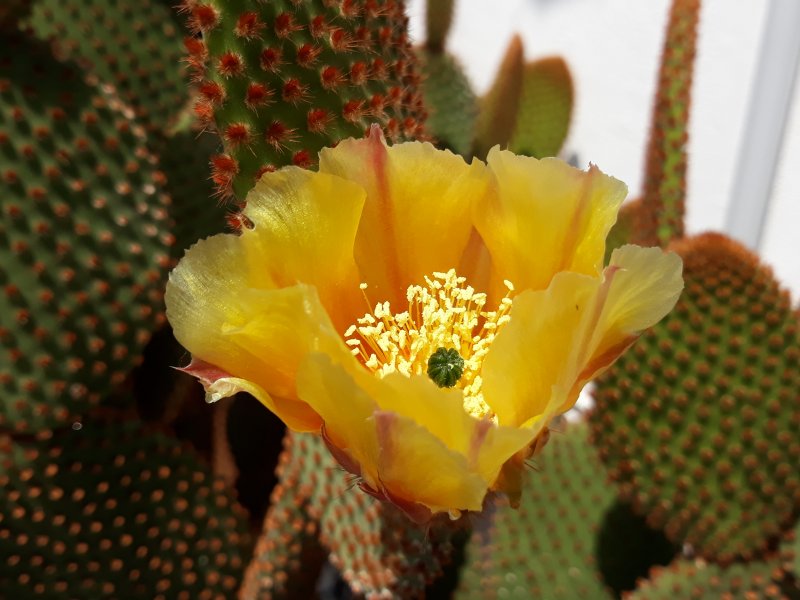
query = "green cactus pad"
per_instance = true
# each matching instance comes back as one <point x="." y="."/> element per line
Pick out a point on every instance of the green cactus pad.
<point x="289" y="553"/>
<point x="438" y="19"/>
<point x="378" y="550"/>
<point x="625" y="229"/>
<point x="497" y="116"/>
<point x="112" y="510"/>
<point x="545" y="108"/>
<point x="560" y="542"/>
<point x="283" y="79"/>
<point x="452" y="106"/>
<point x="666" y="161"/>
<point x="84" y="242"/>
<point x="700" y="581"/>
<point x="700" y="421"/>
<point x="134" y="45"/>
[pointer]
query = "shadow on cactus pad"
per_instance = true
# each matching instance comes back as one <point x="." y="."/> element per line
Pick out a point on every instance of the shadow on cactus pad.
<point x="627" y="548"/>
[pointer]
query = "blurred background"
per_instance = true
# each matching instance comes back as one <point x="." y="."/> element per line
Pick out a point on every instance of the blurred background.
<point x="613" y="47"/>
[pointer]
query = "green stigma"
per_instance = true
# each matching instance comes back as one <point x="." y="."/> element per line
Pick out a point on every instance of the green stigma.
<point x="445" y="367"/>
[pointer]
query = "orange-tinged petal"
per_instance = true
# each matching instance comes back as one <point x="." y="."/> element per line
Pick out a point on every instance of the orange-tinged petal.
<point x="476" y="263"/>
<point x="393" y="452"/>
<point x="411" y="441"/>
<point x="305" y="226"/>
<point x="296" y="414"/>
<point x="561" y="337"/>
<point x="252" y="333"/>
<point x="416" y="219"/>
<point x="254" y="305"/>
<point x="646" y="285"/>
<point x="221" y="384"/>
<point x="417" y="467"/>
<point x="440" y="411"/>
<point x="346" y="410"/>
<point x="545" y="217"/>
<point x="497" y="445"/>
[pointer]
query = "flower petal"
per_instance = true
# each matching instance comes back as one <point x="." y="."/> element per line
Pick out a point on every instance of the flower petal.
<point x="305" y="226"/>
<point x="546" y="217"/>
<point x="412" y="442"/>
<point x="252" y="305"/>
<point x="297" y="415"/>
<point x="440" y="412"/>
<point x="251" y="333"/>
<point x="346" y="410"/>
<point x="416" y="219"/>
<point x="563" y="336"/>
<point x="417" y="467"/>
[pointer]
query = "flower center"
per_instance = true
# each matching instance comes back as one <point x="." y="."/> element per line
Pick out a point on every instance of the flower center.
<point x="445" y="367"/>
<point x="445" y="333"/>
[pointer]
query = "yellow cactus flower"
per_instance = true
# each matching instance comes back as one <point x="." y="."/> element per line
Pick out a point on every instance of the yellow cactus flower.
<point x="427" y="317"/>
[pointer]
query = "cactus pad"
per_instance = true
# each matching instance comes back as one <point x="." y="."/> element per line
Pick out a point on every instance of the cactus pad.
<point x="135" y="45"/>
<point x="700" y="421"/>
<point x="438" y="19"/>
<point x="83" y="240"/>
<point x="699" y="581"/>
<point x="499" y="107"/>
<point x="450" y="101"/>
<point x="378" y="550"/>
<point x="114" y="511"/>
<point x="545" y="548"/>
<point x="545" y="108"/>
<point x="666" y="161"/>
<point x="625" y="229"/>
<point x="283" y="79"/>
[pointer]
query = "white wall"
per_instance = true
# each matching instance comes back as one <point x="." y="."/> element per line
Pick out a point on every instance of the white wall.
<point x="613" y="48"/>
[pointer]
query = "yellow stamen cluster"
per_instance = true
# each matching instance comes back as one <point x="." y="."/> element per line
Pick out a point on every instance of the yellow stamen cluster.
<point x="444" y="313"/>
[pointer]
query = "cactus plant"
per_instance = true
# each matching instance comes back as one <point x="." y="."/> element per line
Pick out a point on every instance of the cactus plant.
<point x="11" y="11"/>
<point x="665" y="171"/>
<point x="626" y="226"/>
<point x="105" y="178"/>
<point x="438" y="20"/>
<point x="499" y="107"/>
<point x="555" y="545"/>
<point x="90" y="513"/>
<point x="545" y="108"/>
<point x="700" y="580"/>
<point x="133" y="45"/>
<point x="316" y="513"/>
<point x="84" y="242"/>
<point x="281" y="80"/>
<point x="184" y="160"/>
<point x="529" y="106"/>
<point x="790" y="560"/>
<point x="700" y="422"/>
<point x="451" y="104"/>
